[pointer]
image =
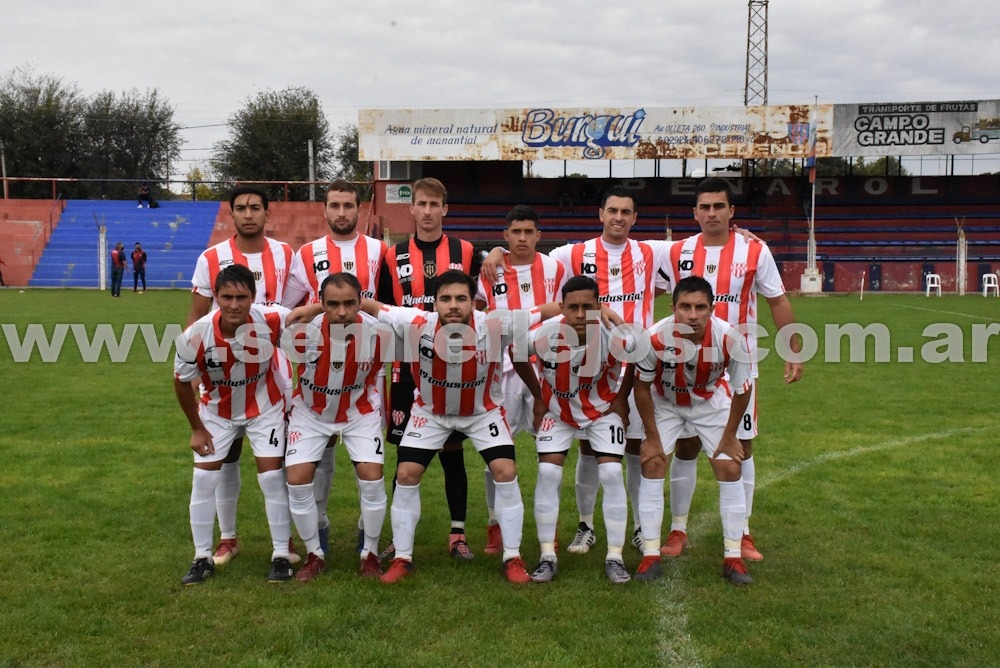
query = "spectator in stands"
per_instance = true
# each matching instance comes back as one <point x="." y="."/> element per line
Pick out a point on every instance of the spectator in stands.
<point x="145" y="195"/>
<point x="118" y="265"/>
<point x="138" y="267"/>
<point x="2" y="264"/>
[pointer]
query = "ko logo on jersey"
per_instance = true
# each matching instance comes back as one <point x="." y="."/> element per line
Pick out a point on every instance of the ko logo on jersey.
<point x="685" y="265"/>
<point x="322" y="265"/>
<point x="588" y="268"/>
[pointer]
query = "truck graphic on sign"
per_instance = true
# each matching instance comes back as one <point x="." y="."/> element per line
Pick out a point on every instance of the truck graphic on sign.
<point x="982" y="130"/>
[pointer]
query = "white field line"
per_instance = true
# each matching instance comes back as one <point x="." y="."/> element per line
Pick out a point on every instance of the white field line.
<point x="934" y="310"/>
<point x="675" y="645"/>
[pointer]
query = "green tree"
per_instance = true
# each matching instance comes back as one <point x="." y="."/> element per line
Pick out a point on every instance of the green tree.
<point x="40" y="129"/>
<point x="268" y="141"/>
<point x="131" y="135"/>
<point x="887" y="165"/>
<point x="348" y="165"/>
<point x="202" y="191"/>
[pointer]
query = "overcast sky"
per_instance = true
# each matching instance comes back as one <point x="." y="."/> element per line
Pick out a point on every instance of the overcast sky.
<point x="208" y="57"/>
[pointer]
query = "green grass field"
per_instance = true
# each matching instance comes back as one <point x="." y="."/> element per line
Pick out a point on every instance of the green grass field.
<point x="878" y="512"/>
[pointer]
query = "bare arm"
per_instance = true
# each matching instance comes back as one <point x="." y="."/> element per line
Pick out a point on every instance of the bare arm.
<point x="201" y="440"/>
<point x="371" y="307"/>
<point x="496" y="258"/>
<point x="781" y="310"/>
<point x="651" y="448"/>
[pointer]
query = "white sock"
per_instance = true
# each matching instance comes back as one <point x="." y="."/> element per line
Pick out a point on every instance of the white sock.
<point x="733" y="509"/>
<point x="633" y="479"/>
<point x="491" y="494"/>
<point x="322" y="480"/>
<point x="202" y="509"/>
<point x="683" y="477"/>
<point x="547" y="501"/>
<point x="615" y="506"/>
<point x="651" y="514"/>
<point x="302" y="507"/>
<point x="227" y="494"/>
<point x="749" y="472"/>
<point x="272" y="484"/>
<point x="587" y="484"/>
<point x="510" y="515"/>
<point x="373" y="506"/>
<point x="405" y="514"/>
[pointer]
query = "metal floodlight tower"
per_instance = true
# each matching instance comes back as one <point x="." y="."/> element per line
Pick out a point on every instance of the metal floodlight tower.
<point x="755" y="87"/>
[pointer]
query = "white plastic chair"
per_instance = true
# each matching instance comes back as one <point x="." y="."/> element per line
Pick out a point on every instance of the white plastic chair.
<point x="990" y="283"/>
<point x="933" y="282"/>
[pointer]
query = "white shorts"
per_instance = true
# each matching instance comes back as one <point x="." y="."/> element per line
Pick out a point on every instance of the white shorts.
<point x="427" y="431"/>
<point x="706" y="420"/>
<point x="266" y="433"/>
<point x="518" y="404"/>
<point x="606" y="435"/>
<point x="308" y="435"/>
<point x="748" y="423"/>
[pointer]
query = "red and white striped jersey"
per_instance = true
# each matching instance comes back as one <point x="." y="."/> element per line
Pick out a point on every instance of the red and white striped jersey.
<point x="524" y="285"/>
<point x="239" y="375"/>
<point x="270" y="269"/>
<point x="625" y="274"/>
<point x="451" y="386"/>
<point x="683" y="373"/>
<point x="737" y="272"/>
<point x="338" y="380"/>
<point x="579" y="389"/>
<point x="313" y="262"/>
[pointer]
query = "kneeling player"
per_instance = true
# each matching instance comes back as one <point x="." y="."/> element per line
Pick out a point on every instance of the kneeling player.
<point x="579" y="397"/>
<point x="337" y="395"/>
<point x="692" y="352"/>
<point x="458" y="389"/>
<point x="231" y="351"/>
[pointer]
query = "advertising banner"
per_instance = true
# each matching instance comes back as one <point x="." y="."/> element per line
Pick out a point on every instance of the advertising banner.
<point x="916" y="128"/>
<point x="617" y="133"/>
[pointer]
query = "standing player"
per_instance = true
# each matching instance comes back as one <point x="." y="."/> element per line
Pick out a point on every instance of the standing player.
<point x="269" y="260"/>
<point x="343" y="250"/>
<point x="625" y="272"/>
<point x="696" y="362"/>
<point x="528" y="279"/>
<point x="243" y="396"/>
<point x="138" y="267"/>
<point x="458" y="369"/>
<point x="407" y="278"/>
<point x="737" y="269"/>
<point x="582" y="380"/>
<point x="337" y="395"/>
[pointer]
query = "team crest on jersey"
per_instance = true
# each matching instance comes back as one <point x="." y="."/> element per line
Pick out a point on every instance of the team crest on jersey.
<point x="337" y="365"/>
<point x="481" y="356"/>
<point x="547" y="424"/>
<point x="257" y="275"/>
<point x="550" y="286"/>
<point x="430" y="270"/>
<point x="417" y="422"/>
<point x="398" y="417"/>
<point x="365" y="367"/>
<point x="717" y="366"/>
<point x="614" y="271"/>
<point x="739" y="270"/>
<point x="710" y="268"/>
<point x="640" y="267"/>
<point x="525" y="287"/>
<point x="293" y="436"/>
<point x="349" y="266"/>
<point x="372" y="267"/>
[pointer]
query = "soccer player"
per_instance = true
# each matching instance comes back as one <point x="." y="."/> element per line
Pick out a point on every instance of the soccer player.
<point x="138" y="267"/>
<point x="582" y="380"/>
<point x="528" y="279"/>
<point x="695" y="364"/>
<point x="269" y="260"/>
<point x="737" y="268"/>
<point x="337" y="395"/>
<point x="344" y="249"/>
<point x="625" y="271"/>
<point x="243" y="396"/>
<point x="458" y="370"/>
<point x="407" y="278"/>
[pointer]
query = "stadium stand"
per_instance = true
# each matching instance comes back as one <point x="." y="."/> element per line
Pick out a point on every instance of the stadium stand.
<point x="173" y="236"/>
